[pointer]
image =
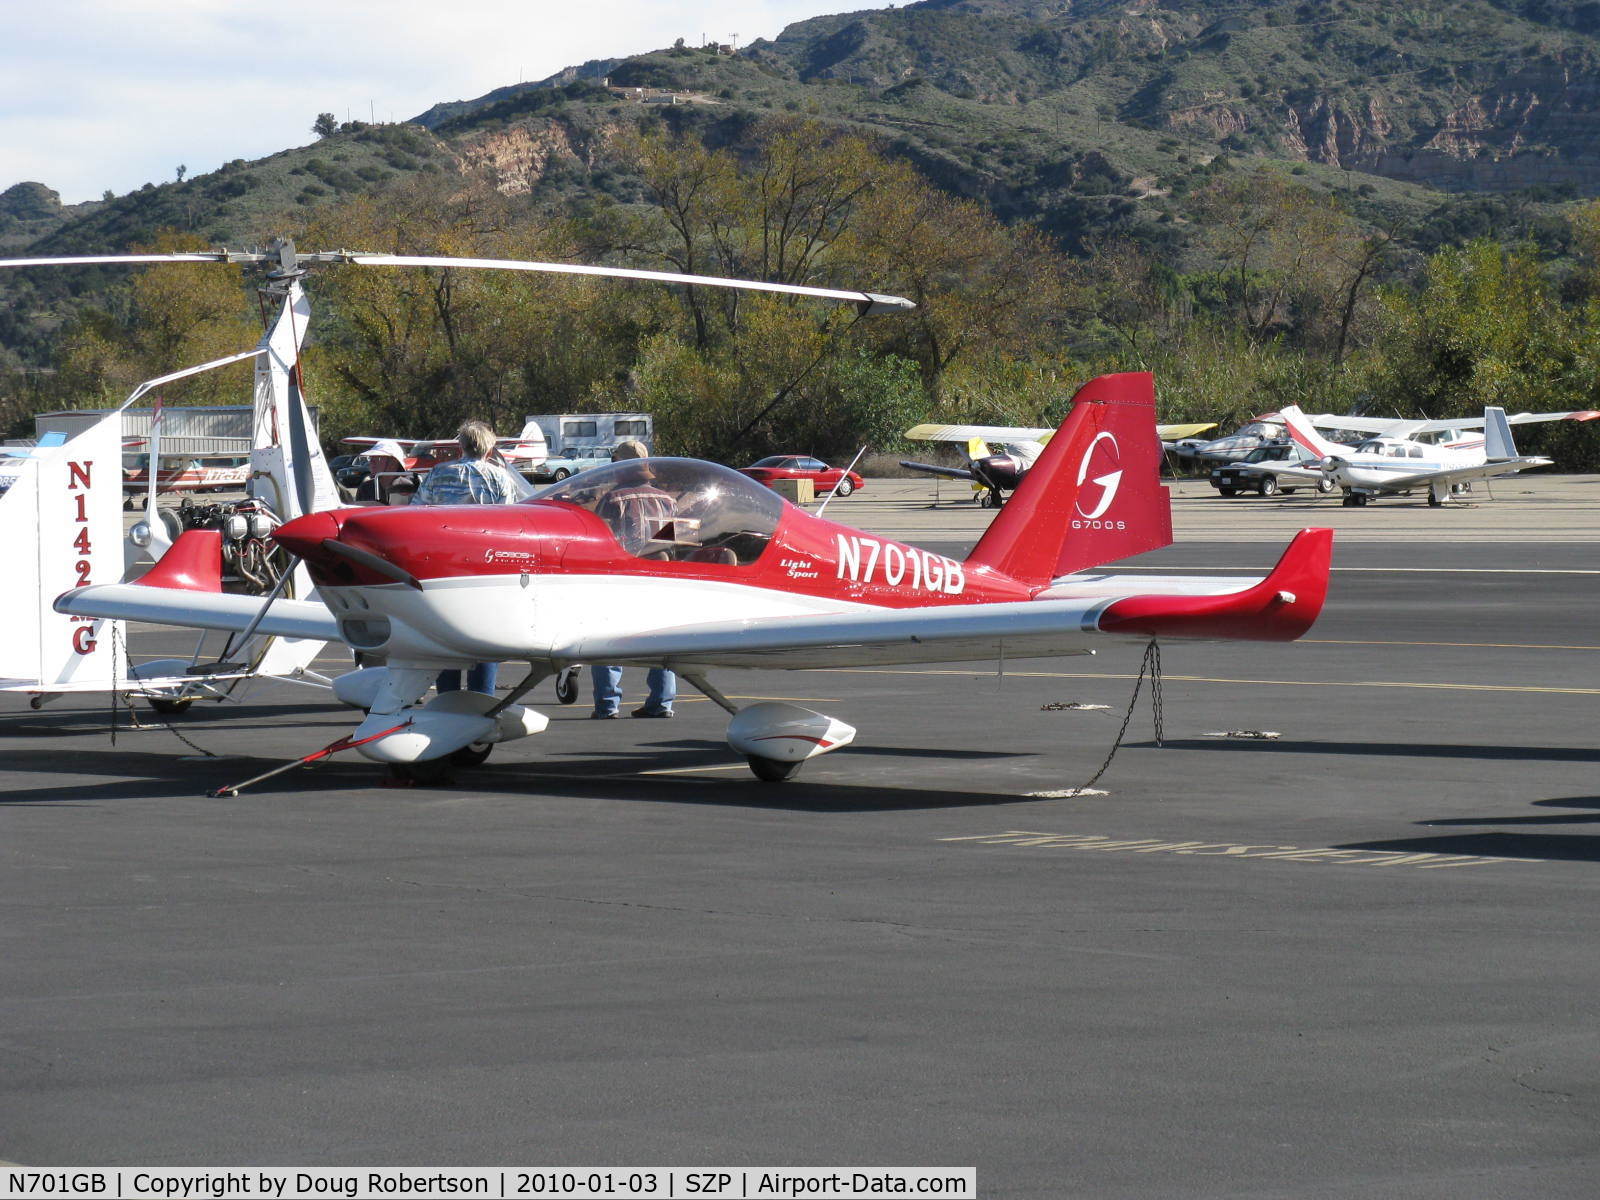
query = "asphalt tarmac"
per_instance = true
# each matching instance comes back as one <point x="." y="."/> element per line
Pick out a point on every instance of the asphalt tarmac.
<point x="1356" y="959"/>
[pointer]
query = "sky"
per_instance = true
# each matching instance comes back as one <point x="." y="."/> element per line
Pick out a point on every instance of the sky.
<point x="100" y="95"/>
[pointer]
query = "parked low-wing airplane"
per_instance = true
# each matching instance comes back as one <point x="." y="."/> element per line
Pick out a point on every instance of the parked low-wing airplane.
<point x="1389" y="465"/>
<point x="1453" y="433"/>
<point x="689" y="565"/>
<point x="991" y="474"/>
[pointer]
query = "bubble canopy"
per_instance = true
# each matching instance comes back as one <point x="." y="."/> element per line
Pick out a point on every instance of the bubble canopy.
<point x="676" y="509"/>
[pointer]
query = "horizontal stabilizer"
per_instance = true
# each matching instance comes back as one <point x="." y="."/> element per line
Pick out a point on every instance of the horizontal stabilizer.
<point x="1278" y="609"/>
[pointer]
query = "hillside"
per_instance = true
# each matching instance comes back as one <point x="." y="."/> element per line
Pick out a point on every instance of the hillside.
<point x="1087" y="117"/>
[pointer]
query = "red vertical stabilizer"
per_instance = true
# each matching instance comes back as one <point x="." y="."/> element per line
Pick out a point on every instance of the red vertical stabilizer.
<point x="1094" y="496"/>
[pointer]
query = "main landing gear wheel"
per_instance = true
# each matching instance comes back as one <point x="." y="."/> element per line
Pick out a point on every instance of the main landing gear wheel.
<point x="1268" y="486"/>
<point x="770" y="770"/>
<point x="845" y="488"/>
<point x="1434" y="501"/>
<point x="473" y="755"/>
<point x="427" y="772"/>
<point x="989" y="500"/>
<point x="169" y="708"/>
<point x="1355" y="501"/>
<point x="567" y="686"/>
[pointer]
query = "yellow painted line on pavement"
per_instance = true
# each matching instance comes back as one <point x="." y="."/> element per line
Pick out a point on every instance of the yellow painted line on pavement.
<point x="694" y="770"/>
<point x="1331" y="683"/>
<point x="793" y="699"/>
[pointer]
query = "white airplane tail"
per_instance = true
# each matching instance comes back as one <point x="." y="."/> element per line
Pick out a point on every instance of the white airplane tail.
<point x="61" y="528"/>
<point x="530" y="448"/>
<point x="1497" y="443"/>
<point x="1305" y="435"/>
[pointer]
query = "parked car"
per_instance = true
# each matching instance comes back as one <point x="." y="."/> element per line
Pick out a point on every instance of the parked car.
<point x="1233" y="478"/>
<point x="799" y="466"/>
<point x="559" y="467"/>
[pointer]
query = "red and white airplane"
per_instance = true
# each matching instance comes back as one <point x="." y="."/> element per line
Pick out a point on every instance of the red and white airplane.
<point x="203" y="473"/>
<point x="692" y="566"/>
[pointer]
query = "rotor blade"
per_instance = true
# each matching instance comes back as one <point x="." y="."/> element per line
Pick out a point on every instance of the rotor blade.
<point x="92" y="259"/>
<point x="870" y="302"/>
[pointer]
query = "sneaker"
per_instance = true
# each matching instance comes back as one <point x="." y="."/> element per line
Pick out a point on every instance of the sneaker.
<point x="647" y="711"/>
<point x="603" y="716"/>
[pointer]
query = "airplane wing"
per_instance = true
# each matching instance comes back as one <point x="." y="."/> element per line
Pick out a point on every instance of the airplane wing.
<point x="963" y="433"/>
<point x="1362" y="424"/>
<point x="1072" y="617"/>
<point x="1399" y="427"/>
<point x="1488" y="470"/>
<point x="1015" y="433"/>
<point x="200" y="610"/>
<point x="1172" y="433"/>
<point x="373" y="441"/>
<point x="945" y="472"/>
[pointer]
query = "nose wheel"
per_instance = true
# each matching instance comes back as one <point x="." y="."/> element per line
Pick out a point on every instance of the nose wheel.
<point x="770" y="770"/>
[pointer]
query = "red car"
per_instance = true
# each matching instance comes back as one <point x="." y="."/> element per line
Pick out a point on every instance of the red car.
<point x="799" y="466"/>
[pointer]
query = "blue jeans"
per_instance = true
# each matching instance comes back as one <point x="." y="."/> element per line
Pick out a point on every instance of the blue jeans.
<point x="480" y="678"/>
<point x="608" y="688"/>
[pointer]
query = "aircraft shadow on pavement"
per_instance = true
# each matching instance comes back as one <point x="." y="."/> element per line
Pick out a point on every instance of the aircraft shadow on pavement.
<point x="720" y="749"/>
<point x="139" y="775"/>
<point x="599" y="779"/>
<point x="617" y="775"/>
<point x="1538" y="819"/>
<point x="1551" y="847"/>
<point x="1366" y="749"/>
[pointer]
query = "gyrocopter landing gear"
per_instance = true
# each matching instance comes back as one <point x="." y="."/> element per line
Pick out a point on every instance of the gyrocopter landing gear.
<point x="776" y="737"/>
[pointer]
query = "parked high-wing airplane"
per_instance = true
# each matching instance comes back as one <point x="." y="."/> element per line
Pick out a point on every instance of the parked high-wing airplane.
<point x="384" y="460"/>
<point x="992" y="474"/>
<point x="689" y="565"/>
<point x="1389" y="465"/>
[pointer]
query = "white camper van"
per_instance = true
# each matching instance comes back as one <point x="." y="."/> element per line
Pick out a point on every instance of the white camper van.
<point x="580" y="440"/>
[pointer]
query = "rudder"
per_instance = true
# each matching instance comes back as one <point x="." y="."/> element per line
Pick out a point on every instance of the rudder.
<point x="1095" y="494"/>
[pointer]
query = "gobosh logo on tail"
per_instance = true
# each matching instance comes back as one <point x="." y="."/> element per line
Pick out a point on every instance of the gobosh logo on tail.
<point x="1108" y="482"/>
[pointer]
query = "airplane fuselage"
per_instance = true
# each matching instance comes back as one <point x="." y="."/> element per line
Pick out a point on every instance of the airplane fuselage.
<point x="532" y="580"/>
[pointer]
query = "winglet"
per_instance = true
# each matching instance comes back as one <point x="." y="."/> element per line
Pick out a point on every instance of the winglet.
<point x="1278" y="609"/>
<point x="194" y="564"/>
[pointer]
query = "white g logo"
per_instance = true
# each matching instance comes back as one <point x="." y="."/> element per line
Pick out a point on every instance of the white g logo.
<point x="1109" y="482"/>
